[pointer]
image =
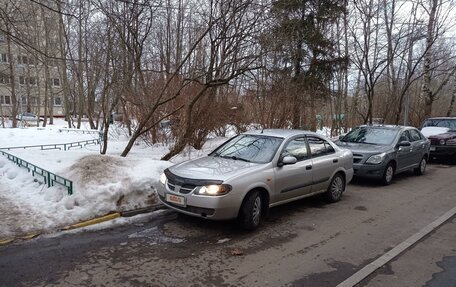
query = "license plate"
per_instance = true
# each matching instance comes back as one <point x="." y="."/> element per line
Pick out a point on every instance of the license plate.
<point x="176" y="199"/>
<point x="432" y="148"/>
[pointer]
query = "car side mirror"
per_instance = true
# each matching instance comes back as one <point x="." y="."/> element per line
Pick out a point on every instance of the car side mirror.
<point x="404" y="143"/>
<point x="288" y="160"/>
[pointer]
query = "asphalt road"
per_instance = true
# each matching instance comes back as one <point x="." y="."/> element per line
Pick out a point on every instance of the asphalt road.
<point x="305" y="243"/>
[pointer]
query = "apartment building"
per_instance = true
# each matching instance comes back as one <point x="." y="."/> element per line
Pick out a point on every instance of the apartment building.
<point x="28" y="71"/>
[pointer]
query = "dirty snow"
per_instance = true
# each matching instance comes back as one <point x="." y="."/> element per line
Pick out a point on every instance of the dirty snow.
<point x="102" y="183"/>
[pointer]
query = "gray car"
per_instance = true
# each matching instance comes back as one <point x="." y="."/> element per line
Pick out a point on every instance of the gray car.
<point x="254" y="171"/>
<point x="382" y="151"/>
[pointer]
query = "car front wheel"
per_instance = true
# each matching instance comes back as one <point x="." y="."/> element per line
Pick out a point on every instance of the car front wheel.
<point x="251" y="211"/>
<point x="388" y="174"/>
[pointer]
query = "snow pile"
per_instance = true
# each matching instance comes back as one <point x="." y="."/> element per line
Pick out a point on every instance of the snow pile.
<point x="101" y="183"/>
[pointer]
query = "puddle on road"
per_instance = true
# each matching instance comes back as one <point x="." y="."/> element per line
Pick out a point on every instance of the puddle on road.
<point x="155" y="236"/>
<point x="447" y="277"/>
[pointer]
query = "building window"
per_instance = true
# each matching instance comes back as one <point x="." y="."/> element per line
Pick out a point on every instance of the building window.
<point x="3" y="58"/>
<point x="24" y="100"/>
<point x="4" y="79"/>
<point x="57" y="101"/>
<point x="55" y="82"/>
<point x="5" y="100"/>
<point x="32" y="81"/>
<point x="2" y="37"/>
<point x="21" y="80"/>
<point x="22" y="60"/>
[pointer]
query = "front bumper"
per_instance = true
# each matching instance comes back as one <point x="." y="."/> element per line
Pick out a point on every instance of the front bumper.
<point x="442" y="151"/>
<point x="369" y="170"/>
<point x="210" y="207"/>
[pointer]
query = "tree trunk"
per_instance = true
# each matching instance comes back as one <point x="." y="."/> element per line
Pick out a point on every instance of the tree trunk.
<point x="453" y="98"/>
<point x="14" y="101"/>
<point x="426" y="91"/>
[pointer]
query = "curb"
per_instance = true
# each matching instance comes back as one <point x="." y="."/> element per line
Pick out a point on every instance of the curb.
<point x="130" y="213"/>
<point x="25" y="237"/>
<point x="393" y="253"/>
<point x="107" y="217"/>
<point x="93" y="221"/>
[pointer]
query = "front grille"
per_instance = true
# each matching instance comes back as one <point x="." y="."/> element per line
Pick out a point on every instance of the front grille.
<point x="171" y="186"/>
<point x="186" y="188"/>
<point x="435" y="141"/>
<point x="357" y="158"/>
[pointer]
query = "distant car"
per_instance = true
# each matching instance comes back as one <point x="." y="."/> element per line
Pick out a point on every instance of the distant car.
<point x="381" y="151"/>
<point x="254" y="171"/>
<point x="441" y="132"/>
<point x="29" y="117"/>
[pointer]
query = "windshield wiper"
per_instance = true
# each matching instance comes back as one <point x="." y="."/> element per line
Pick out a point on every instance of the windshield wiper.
<point x="234" y="157"/>
<point x="368" y="143"/>
<point x="240" y="158"/>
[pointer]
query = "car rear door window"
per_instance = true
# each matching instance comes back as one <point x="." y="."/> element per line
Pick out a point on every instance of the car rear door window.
<point x="319" y="146"/>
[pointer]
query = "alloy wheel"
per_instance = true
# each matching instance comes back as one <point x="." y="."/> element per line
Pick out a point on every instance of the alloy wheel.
<point x="256" y="212"/>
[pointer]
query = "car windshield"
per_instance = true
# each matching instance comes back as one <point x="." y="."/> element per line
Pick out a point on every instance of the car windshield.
<point x="250" y="148"/>
<point x="444" y="123"/>
<point x="371" y="135"/>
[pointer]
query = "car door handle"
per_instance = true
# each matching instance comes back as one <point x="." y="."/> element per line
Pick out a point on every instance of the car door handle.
<point x="335" y="160"/>
<point x="308" y="167"/>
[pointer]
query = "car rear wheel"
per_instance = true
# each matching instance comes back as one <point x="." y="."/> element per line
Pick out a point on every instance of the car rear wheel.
<point x="251" y="211"/>
<point x="388" y="174"/>
<point x="422" y="167"/>
<point x="335" y="188"/>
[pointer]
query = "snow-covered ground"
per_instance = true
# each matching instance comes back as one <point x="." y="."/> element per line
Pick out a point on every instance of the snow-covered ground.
<point x="102" y="183"/>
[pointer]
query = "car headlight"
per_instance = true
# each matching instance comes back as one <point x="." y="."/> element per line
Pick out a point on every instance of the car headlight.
<point x="442" y="142"/>
<point x="213" y="189"/>
<point x="163" y="178"/>
<point x="376" y="159"/>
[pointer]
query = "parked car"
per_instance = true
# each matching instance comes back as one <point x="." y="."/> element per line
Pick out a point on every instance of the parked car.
<point x="29" y="117"/>
<point x="254" y="171"/>
<point x="441" y="132"/>
<point x="381" y="151"/>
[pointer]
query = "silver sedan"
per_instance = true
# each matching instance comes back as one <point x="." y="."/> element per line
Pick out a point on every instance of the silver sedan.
<point x="254" y="171"/>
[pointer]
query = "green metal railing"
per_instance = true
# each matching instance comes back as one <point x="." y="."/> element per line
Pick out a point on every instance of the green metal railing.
<point x="49" y="178"/>
<point x="64" y="146"/>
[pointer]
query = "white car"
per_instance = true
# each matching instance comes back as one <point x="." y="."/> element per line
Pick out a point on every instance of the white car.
<point x="28" y="117"/>
<point x="254" y="171"/>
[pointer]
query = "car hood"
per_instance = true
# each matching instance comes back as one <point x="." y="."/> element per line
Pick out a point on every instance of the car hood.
<point x="431" y="131"/>
<point x="444" y="136"/>
<point x="212" y="168"/>
<point x="363" y="148"/>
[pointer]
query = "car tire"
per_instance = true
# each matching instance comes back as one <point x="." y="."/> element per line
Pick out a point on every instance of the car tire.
<point x="388" y="174"/>
<point x="251" y="211"/>
<point x="422" y="167"/>
<point x="336" y="188"/>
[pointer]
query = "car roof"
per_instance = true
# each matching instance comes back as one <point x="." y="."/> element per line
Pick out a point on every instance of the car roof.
<point x="391" y="127"/>
<point x="283" y="133"/>
<point x="441" y="118"/>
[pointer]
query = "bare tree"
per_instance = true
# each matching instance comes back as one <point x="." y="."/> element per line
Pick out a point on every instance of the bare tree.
<point x="438" y="14"/>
